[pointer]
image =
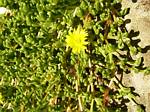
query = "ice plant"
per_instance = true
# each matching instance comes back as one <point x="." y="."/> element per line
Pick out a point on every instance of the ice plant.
<point x="77" y="40"/>
<point x="1" y="98"/>
<point x="36" y="72"/>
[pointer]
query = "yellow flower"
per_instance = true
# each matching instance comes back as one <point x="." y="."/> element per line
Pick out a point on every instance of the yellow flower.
<point x="76" y="40"/>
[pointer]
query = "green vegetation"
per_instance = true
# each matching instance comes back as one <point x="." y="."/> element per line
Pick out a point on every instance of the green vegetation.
<point x="40" y="73"/>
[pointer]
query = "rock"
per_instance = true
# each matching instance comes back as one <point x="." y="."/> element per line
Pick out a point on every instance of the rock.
<point x="140" y="21"/>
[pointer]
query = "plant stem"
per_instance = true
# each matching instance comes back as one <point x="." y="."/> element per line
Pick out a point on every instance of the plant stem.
<point x="77" y="90"/>
<point x="77" y="86"/>
<point x="91" y="83"/>
<point x="92" y="104"/>
<point x="80" y="103"/>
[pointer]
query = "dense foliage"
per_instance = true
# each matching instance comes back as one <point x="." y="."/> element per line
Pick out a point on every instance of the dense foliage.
<point x="40" y="73"/>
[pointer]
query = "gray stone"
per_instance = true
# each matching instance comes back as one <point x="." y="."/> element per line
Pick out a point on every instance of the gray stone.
<point x="140" y="21"/>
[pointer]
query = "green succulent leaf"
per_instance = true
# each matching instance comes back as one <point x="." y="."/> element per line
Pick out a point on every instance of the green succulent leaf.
<point x="39" y="72"/>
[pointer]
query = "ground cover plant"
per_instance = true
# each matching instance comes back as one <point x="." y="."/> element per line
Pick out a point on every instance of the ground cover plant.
<point x="66" y="56"/>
